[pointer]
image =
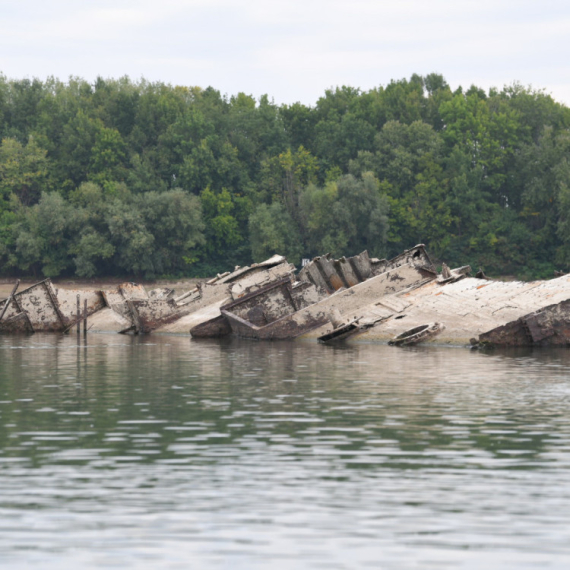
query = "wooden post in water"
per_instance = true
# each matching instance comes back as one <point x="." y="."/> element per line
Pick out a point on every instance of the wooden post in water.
<point x="78" y="315"/>
<point x="85" y="317"/>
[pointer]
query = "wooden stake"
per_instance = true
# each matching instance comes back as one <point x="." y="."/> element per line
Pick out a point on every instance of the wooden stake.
<point x="85" y="317"/>
<point x="78" y="315"/>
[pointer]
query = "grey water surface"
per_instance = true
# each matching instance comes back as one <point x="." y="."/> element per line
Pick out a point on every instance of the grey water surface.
<point x="164" y="452"/>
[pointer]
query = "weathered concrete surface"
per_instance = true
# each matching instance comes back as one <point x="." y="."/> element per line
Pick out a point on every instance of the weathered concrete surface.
<point x="118" y="299"/>
<point x="269" y="303"/>
<point x="363" y="301"/>
<point x="467" y="308"/>
<point x="283" y="308"/>
<point x="238" y="274"/>
<point x="241" y="272"/>
<point x="261" y="278"/>
<point x="161" y="293"/>
<point x="330" y="275"/>
<point x="416" y="256"/>
<point x="150" y="314"/>
<point x="212" y="328"/>
<point x="67" y="299"/>
<point x="43" y="308"/>
<point x="305" y="294"/>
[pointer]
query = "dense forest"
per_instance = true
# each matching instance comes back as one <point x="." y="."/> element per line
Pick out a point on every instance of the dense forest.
<point x="144" y="179"/>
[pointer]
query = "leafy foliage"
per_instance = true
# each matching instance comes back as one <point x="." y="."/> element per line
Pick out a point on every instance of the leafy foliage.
<point x="147" y="179"/>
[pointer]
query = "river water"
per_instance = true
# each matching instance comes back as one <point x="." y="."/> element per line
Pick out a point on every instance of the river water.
<point x="164" y="452"/>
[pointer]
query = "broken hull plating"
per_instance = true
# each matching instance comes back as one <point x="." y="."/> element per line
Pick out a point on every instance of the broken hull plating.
<point x="285" y="309"/>
<point x="129" y="308"/>
<point x="353" y="299"/>
<point x="479" y="312"/>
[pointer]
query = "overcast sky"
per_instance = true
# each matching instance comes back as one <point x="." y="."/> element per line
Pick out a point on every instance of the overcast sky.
<point x="290" y="49"/>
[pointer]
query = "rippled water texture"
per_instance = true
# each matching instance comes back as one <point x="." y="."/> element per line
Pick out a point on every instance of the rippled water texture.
<point x="163" y="452"/>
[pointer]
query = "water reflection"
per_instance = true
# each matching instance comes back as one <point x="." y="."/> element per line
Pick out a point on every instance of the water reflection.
<point x="154" y="451"/>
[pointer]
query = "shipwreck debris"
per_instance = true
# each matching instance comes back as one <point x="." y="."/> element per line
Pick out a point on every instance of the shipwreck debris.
<point x="9" y="299"/>
<point x="346" y="330"/>
<point x="549" y="326"/>
<point x="329" y="300"/>
<point x="331" y="275"/>
<point x="290" y="310"/>
<point x="417" y="334"/>
<point x="453" y="275"/>
<point x="341" y="332"/>
<point x="129" y="308"/>
<point x="34" y="309"/>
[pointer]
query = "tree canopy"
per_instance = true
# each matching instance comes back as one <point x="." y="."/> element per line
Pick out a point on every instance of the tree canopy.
<point x="134" y="178"/>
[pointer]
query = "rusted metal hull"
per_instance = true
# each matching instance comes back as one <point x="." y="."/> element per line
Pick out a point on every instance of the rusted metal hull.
<point x="340" y="333"/>
<point x="549" y="326"/>
<point x="16" y="324"/>
<point x="274" y="312"/>
<point x="355" y="298"/>
<point x="284" y="310"/>
<point x="40" y="305"/>
<point x="129" y="308"/>
<point x="150" y="314"/>
<point x="214" y="328"/>
<point x="330" y="275"/>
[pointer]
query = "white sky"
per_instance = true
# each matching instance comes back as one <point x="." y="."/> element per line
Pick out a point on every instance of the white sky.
<point x="290" y="49"/>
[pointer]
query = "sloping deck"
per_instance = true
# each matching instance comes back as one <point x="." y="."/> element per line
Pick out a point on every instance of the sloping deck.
<point x="467" y="308"/>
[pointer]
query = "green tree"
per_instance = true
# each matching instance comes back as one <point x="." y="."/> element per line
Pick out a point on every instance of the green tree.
<point x="155" y="234"/>
<point x="283" y="177"/>
<point x="407" y="159"/>
<point x="346" y="216"/>
<point x="91" y="248"/>
<point x="23" y="172"/>
<point x="108" y="157"/>
<point x="44" y="236"/>
<point x="80" y="135"/>
<point x="273" y="231"/>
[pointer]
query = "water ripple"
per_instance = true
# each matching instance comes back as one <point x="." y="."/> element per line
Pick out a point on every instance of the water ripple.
<point x="127" y="452"/>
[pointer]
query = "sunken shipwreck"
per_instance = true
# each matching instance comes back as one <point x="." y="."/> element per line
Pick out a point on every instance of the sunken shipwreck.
<point x="400" y="301"/>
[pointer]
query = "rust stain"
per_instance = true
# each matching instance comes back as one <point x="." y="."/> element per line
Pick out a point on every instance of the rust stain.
<point x="336" y="282"/>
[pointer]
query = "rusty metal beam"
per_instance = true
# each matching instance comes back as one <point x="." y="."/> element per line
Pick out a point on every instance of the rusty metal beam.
<point x="10" y="297"/>
<point x="47" y="286"/>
